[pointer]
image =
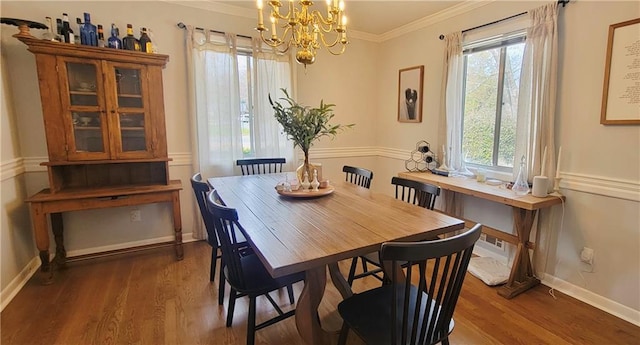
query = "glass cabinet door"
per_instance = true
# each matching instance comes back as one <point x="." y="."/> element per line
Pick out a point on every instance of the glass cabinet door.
<point x="132" y="111"/>
<point x="83" y="110"/>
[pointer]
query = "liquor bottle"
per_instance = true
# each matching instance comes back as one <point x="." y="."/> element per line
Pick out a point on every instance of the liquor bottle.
<point x="49" y="35"/>
<point x="59" y="29"/>
<point x="154" y="46"/>
<point x="129" y="42"/>
<point x="66" y="31"/>
<point x="101" y="41"/>
<point x="114" y="41"/>
<point x="88" y="32"/>
<point x="78" y="39"/>
<point x="145" y="42"/>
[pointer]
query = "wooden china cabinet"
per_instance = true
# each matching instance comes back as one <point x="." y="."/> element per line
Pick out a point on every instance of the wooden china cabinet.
<point x="104" y="122"/>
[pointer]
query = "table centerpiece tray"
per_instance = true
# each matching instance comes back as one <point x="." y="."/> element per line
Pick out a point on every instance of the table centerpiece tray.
<point x="307" y="194"/>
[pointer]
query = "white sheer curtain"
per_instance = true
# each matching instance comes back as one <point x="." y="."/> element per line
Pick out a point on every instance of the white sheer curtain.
<point x="537" y="99"/>
<point x="217" y="139"/>
<point x="536" y="112"/>
<point x="272" y="72"/>
<point x="451" y="118"/>
<point x="214" y="106"/>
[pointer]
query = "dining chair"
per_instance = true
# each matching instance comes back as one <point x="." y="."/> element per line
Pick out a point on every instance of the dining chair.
<point x="244" y="271"/>
<point x="360" y="176"/>
<point x="256" y="166"/>
<point x="201" y="189"/>
<point x="413" y="192"/>
<point x="404" y="313"/>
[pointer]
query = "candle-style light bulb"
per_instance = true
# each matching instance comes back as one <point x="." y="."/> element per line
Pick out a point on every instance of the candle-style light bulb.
<point x="341" y="6"/>
<point x="260" y="17"/>
<point x="273" y="27"/>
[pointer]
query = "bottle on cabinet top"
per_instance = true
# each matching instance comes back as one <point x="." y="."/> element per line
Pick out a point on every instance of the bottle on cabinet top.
<point x="50" y="35"/>
<point x="67" y="32"/>
<point x="114" y="41"/>
<point x="145" y="42"/>
<point x="88" y="32"/>
<point x="101" y="41"/>
<point x="77" y="32"/>
<point x="129" y="42"/>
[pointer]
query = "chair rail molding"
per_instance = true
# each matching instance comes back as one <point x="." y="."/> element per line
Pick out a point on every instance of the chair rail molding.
<point x="11" y="168"/>
<point x="592" y="184"/>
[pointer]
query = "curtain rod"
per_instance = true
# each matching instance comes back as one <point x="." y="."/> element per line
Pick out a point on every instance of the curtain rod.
<point x="561" y="2"/>
<point x="182" y="26"/>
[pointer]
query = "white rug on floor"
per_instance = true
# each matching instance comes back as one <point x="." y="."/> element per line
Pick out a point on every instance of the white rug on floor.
<point x="489" y="270"/>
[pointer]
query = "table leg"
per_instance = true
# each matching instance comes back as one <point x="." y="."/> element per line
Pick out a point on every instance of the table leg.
<point x="41" y="233"/>
<point x="177" y="224"/>
<point x="521" y="277"/>
<point x="339" y="282"/>
<point x="57" y="228"/>
<point x="307" y="319"/>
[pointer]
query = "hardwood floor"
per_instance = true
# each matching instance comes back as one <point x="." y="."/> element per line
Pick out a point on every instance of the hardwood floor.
<point x="150" y="298"/>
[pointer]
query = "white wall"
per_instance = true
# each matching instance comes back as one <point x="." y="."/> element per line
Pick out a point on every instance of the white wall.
<point x="601" y="165"/>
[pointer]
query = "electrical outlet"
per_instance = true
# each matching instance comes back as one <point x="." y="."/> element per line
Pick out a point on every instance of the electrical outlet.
<point x="135" y="216"/>
<point x="586" y="255"/>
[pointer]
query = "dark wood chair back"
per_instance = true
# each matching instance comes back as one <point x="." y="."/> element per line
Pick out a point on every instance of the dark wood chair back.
<point x="256" y="166"/>
<point x="417" y="193"/>
<point x="361" y="177"/>
<point x="227" y="226"/>
<point x="201" y="189"/>
<point x="403" y="313"/>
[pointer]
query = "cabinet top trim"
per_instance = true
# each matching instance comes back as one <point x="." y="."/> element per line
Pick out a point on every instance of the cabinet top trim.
<point x="38" y="46"/>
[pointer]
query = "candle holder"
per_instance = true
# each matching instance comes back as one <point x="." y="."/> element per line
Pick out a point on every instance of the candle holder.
<point x="556" y="185"/>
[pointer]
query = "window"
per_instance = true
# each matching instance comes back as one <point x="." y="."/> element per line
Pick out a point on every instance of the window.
<point x="490" y="104"/>
<point x="245" y="71"/>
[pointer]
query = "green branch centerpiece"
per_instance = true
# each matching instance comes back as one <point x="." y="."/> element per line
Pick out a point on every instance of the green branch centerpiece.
<point x="304" y="125"/>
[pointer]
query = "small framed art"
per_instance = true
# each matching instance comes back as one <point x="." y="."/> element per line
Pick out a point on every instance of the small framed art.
<point x="410" y="94"/>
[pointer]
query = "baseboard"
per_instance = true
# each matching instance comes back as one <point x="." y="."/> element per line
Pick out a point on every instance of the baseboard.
<point x="614" y="308"/>
<point x="8" y="293"/>
<point x="18" y="282"/>
<point x="87" y="251"/>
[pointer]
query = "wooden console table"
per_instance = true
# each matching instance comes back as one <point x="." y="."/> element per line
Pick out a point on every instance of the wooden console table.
<point x="524" y="208"/>
<point x="45" y="202"/>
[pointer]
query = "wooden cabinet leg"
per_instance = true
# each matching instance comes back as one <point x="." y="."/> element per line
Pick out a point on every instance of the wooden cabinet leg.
<point x="41" y="233"/>
<point x="177" y="224"/>
<point x="57" y="228"/>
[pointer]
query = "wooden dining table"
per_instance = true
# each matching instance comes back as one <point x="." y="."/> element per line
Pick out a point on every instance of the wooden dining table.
<point x="308" y="234"/>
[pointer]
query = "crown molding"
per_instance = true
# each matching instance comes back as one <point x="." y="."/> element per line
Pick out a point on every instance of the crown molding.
<point x="453" y="11"/>
<point x="434" y="18"/>
<point x="214" y="6"/>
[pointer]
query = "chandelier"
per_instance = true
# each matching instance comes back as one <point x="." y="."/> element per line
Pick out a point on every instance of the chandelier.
<point x="305" y="29"/>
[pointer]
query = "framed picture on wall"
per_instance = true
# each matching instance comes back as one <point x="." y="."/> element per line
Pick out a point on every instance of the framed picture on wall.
<point x="410" y="94"/>
<point x="621" y="90"/>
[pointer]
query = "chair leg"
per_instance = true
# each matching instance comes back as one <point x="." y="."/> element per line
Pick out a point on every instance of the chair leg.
<point x="352" y="270"/>
<point x="364" y="265"/>
<point x="221" y="283"/>
<point x="344" y="332"/>
<point x="231" y="307"/>
<point x="214" y="260"/>
<point x="290" y="292"/>
<point x="251" y="321"/>
<point x="445" y="341"/>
